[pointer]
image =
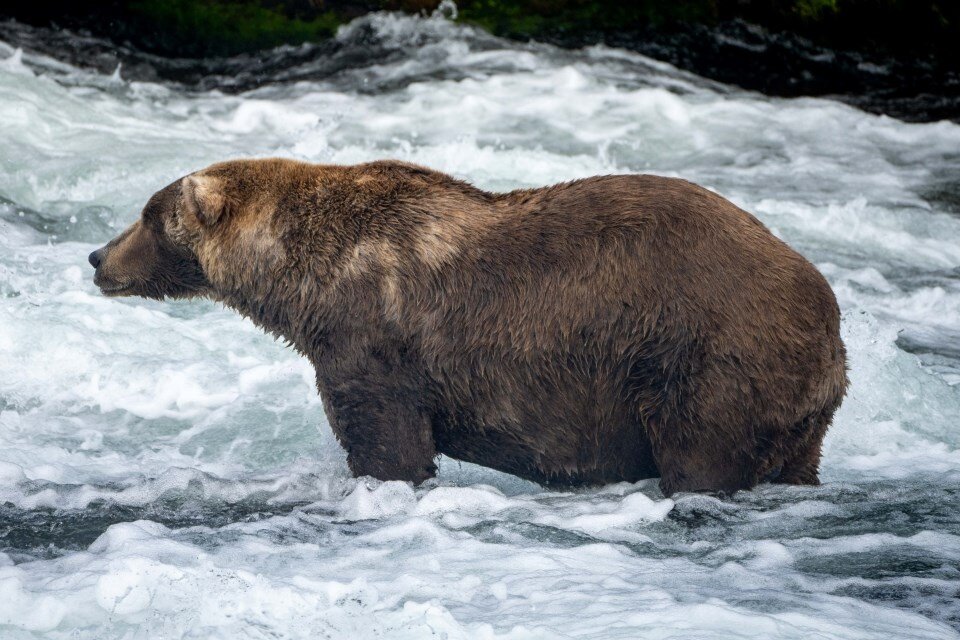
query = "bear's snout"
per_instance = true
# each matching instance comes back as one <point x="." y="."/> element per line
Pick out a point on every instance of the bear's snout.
<point x="110" y="274"/>
<point x="96" y="257"/>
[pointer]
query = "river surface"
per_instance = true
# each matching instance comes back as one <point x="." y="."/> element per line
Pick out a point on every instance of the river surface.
<point x="166" y="470"/>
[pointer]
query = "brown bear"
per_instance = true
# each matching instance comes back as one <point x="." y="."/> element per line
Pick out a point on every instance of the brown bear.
<point x="608" y="329"/>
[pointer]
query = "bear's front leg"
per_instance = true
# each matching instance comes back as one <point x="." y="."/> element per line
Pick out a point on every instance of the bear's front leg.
<point x="386" y="433"/>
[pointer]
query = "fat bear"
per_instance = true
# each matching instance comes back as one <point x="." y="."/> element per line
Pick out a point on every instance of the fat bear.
<point x="608" y="329"/>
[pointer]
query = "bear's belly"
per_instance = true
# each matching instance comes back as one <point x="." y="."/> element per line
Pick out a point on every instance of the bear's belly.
<point x="549" y="452"/>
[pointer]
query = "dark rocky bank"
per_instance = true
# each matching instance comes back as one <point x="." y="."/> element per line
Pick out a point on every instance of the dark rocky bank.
<point x="897" y="57"/>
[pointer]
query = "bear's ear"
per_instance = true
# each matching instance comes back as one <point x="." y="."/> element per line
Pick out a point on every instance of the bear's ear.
<point x="204" y="199"/>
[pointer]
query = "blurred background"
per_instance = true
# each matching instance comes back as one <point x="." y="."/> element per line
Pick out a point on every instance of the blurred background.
<point x="898" y="57"/>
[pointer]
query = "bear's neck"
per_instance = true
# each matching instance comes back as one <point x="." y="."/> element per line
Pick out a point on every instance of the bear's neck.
<point x="290" y="306"/>
<point x="276" y="287"/>
<point x="280" y="314"/>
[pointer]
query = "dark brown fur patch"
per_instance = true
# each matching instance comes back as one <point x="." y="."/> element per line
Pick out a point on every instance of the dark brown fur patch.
<point x="607" y="329"/>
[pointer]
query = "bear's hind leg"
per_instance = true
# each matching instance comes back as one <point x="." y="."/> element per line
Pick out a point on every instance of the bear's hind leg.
<point x="688" y="464"/>
<point x="802" y="464"/>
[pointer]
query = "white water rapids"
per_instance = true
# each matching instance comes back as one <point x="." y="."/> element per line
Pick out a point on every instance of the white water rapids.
<point x="166" y="470"/>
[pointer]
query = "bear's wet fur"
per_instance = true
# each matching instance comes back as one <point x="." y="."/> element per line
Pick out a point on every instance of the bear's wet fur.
<point x="608" y="329"/>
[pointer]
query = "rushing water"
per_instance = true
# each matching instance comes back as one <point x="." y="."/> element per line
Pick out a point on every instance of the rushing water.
<point x="166" y="470"/>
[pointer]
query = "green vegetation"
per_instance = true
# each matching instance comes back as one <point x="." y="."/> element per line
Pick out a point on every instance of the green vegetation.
<point x="810" y="10"/>
<point x="532" y="18"/>
<point x="217" y="27"/>
<point x="200" y="28"/>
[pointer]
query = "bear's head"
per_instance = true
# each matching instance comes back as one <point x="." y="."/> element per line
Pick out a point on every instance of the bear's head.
<point x="157" y="256"/>
<point x="198" y="236"/>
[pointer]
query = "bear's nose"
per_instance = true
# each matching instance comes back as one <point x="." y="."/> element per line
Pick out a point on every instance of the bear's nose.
<point x="95" y="258"/>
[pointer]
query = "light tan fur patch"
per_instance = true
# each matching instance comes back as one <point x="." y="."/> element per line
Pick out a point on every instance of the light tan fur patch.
<point x="379" y="259"/>
<point x="204" y="199"/>
<point x="438" y="244"/>
<point x="244" y="252"/>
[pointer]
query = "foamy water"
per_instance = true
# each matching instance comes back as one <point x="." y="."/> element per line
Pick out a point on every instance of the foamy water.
<point x="166" y="470"/>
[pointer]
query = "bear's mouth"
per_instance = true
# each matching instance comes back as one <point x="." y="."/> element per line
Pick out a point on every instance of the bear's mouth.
<point x="115" y="290"/>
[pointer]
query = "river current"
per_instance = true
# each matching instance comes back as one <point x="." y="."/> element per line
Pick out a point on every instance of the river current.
<point x="166" y="470"/>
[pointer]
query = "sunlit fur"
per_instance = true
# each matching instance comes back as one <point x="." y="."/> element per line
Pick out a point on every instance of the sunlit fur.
<point x="607" y="329"/>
